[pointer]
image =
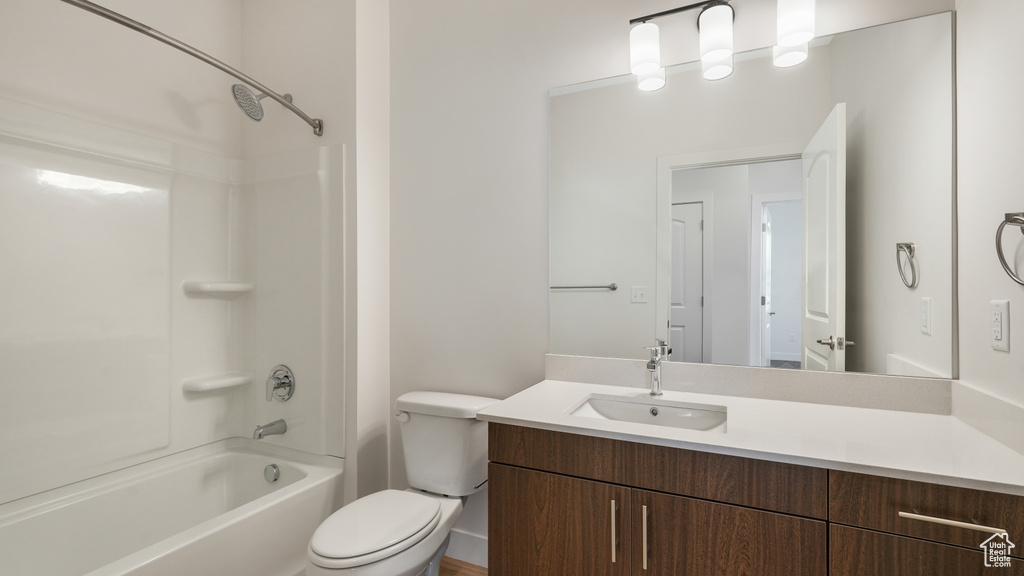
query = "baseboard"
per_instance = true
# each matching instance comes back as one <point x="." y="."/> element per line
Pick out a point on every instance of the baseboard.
<point x="468" y="547"/>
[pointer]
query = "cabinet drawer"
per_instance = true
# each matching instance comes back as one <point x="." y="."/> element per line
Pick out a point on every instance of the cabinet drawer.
<point x="774" y="486"/>
<point x="856" y="552"/>
<point x="875" y="502"/>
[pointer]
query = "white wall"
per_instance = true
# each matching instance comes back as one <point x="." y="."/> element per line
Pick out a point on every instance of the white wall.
<point x="989" y="123"/>
<point x="62" y="58"/>
<point x="900" y="167"/>
<point x="469" y="169"/>
<point x="369" y="450"/>
<point x="727" y="251"/>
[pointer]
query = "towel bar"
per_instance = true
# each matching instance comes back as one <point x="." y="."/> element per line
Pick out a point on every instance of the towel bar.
<point x="613" y="287"/>
<point x="1013" y="219"/>
<point x="909" y="249"/>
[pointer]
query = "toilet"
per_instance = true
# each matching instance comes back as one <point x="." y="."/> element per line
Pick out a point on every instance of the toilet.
<point x="405" y="532"/>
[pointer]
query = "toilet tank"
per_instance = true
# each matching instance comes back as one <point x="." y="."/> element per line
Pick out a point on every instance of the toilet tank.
<point x="445" y="446"/>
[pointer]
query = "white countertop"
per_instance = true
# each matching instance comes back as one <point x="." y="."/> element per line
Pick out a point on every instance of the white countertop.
<point x="925" y="447"/>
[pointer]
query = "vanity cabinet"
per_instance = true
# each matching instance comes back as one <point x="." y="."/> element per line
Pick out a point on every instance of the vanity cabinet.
<point x="563" y="504"/>
<point x="868" y="536"/>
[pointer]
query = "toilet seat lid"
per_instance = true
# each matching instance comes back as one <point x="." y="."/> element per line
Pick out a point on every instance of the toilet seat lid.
<point x="381" y="520"/>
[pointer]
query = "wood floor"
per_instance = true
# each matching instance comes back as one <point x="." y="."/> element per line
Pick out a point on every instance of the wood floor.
<point x="452" y="567"/>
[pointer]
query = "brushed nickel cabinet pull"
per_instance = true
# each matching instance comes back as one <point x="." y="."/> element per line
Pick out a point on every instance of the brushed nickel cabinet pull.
<point x="953" y="523"/>
<point x="613" y="532"/>
<point x="644" y="536"/>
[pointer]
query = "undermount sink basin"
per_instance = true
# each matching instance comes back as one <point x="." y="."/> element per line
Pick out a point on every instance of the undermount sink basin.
<point x="654" y="411"/>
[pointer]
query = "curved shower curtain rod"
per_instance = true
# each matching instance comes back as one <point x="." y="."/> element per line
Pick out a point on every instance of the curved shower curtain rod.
<point x="316" y="123"/>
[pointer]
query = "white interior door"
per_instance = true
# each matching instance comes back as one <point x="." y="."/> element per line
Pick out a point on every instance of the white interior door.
<point x="823" y="272"/>
<point x="686" y="314"/>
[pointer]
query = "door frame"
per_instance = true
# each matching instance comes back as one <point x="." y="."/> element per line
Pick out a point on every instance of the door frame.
<point x="663" y="216"/>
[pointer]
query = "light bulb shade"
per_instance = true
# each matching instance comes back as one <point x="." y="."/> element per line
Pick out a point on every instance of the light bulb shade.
<point x="652" y="81"/>
<point x="715" y="25"/>
<point x="786" y="56"/>
<point x="717" y="70"/>
<point x="795" y="22"/>
<point x="644" y="49"/>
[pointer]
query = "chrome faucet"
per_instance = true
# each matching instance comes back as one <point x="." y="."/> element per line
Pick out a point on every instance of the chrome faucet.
<point x="658" y="353"/>
<point x="275" y="427"/>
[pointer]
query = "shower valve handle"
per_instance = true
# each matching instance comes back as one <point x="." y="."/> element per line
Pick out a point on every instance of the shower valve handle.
<point x="280" y="384"/>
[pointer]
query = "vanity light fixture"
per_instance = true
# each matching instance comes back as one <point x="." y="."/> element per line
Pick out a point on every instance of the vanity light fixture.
<point x="652" y="81"/>
<point x="794" y="28"/>
<point x="644" y="49"/>
<point x="716" y="70"/>
<point x="715" y="26"/>
<point x="795" y="20"/>
<point x="787" y="56"/>
<point x="716" y="43"/>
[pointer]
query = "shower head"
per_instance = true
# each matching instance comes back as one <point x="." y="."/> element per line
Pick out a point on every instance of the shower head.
<point x="248" y="102"/>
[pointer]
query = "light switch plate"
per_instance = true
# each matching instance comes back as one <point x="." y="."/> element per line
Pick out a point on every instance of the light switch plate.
<point x="1000" y="325"/>
<point x="638" y="294"/>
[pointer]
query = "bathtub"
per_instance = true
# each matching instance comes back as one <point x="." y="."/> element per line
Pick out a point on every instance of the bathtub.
<point x="203" y="512"/>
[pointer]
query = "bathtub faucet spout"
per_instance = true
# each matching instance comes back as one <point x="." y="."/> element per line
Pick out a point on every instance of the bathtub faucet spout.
<point x="275" y="427"/>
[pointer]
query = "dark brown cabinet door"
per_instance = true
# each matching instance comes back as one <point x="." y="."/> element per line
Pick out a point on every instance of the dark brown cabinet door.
<point x="857" y="552"/>
<point x="542" y="524"/>
<point x="688" y="536"/>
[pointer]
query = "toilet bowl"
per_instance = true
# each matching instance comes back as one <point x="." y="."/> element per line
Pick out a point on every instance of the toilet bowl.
<point x="388" y="533"/>
<point x="406" y="532"/>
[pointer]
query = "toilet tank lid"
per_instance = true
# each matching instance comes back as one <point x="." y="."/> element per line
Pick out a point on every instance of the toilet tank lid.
<point x="443" y="404"/>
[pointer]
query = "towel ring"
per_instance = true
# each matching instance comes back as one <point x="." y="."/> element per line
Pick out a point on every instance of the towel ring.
<point x="909" y="249"/>
<point x="1013" y="219"/>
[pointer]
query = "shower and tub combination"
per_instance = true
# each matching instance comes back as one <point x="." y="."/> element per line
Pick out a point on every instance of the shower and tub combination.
<point x="237" y="506"/>
<point x="234" y="506"/>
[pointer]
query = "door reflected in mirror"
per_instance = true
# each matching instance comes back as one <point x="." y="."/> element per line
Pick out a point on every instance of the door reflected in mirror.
<point x="766" y="194"/>
<point x="630" y="191"/>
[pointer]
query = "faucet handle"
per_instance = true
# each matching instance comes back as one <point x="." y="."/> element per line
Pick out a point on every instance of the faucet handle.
<point x="280" y="384"/>
<point x="659" y="350"/>
<point x="663" y="344"/>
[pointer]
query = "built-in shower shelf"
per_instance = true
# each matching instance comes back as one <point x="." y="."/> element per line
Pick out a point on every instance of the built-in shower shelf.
<point x="216" y="382"/>
<point x="221" y="288"/>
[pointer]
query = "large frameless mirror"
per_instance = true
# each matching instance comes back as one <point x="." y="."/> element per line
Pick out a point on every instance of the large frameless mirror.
<point x="757" y="220"/>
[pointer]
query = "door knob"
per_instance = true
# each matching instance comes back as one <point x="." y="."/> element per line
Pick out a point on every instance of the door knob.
<point x="831" y="342"/>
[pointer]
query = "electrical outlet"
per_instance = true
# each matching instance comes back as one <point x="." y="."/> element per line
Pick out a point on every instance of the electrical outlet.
<point x="1000" y="323"/>
<point x="638" y="294"/>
